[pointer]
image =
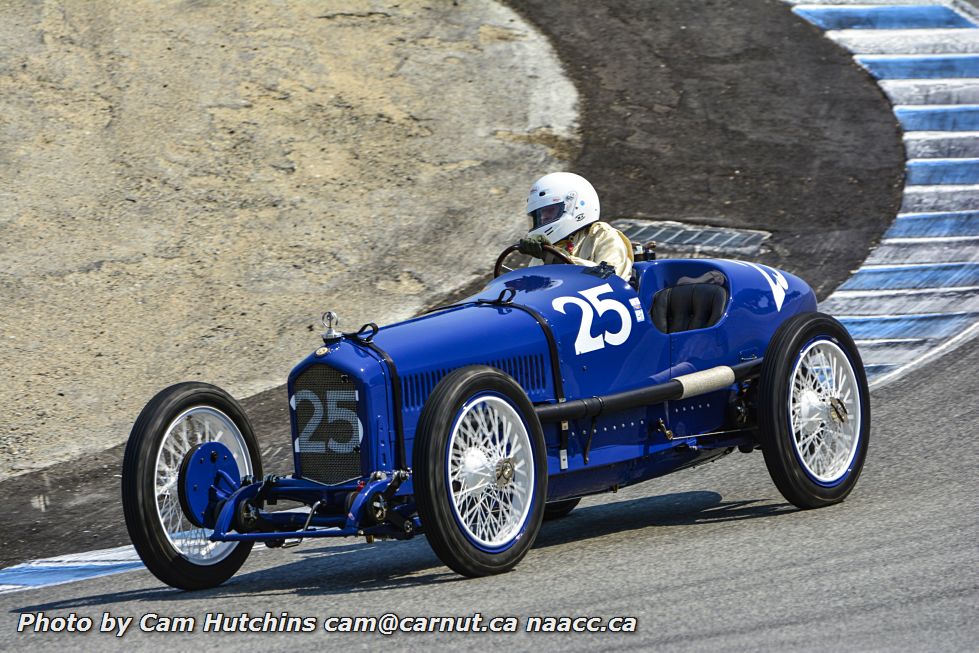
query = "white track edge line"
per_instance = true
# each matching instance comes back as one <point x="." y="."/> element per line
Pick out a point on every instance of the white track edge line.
<point x="929" y="355"/>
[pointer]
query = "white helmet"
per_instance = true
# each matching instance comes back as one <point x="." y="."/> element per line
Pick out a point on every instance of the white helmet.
<point x="560" y="204"/>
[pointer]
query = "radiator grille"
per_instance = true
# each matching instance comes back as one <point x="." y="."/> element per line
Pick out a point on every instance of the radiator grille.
<point x="329" y="431"/>
<point x="528" y="371"/>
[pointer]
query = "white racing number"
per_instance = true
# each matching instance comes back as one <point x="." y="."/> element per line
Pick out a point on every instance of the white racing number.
<point x="586" y="342"/>
<point x="336" y="411"/>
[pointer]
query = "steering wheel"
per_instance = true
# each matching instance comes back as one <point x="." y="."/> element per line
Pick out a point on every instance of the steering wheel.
<point x="562" y="257"/>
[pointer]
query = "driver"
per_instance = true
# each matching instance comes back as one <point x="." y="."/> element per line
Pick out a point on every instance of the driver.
<point x="564" y="209"/>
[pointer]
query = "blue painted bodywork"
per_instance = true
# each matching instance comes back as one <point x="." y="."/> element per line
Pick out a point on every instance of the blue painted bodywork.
<point x="210" y="476"/>
<point x="426" y="348"/>
<point x="621" y="350"/>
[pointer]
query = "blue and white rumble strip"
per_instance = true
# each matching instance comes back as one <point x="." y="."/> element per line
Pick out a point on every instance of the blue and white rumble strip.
<point x="69" y="568"/>
<point x="917" y="294"/>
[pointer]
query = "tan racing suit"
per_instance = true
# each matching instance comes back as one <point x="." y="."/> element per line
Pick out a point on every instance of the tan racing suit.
<point x="596" y="243"/>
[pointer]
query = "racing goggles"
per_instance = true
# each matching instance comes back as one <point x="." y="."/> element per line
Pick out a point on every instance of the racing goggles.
<point x="547" y="214"/>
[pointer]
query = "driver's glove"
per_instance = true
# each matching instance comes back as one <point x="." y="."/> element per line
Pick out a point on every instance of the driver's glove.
<point x="533" y="246"/>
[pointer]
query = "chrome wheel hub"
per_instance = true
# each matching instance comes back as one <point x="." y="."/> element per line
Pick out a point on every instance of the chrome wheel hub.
<point x="475" y="467"/>
<point x="812" y="411"/>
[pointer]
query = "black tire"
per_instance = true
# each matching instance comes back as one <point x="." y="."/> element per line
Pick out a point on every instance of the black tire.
<point x="139" y="476"/>
<point x="558" y="509"/>
<point x="454" y="543"/>
<point x="810" y="335"/>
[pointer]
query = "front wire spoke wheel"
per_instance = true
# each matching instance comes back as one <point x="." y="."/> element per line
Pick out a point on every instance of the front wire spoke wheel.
<point x="194" y="426"/>
<point x="485" y="435"/>
<point x="173" y="424"/>
<point x="480" y="471"/>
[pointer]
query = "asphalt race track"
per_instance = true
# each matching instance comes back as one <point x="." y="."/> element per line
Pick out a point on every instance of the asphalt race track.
<point x="707" y="559"/>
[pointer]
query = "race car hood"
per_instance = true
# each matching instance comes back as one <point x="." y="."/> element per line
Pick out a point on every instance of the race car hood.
<point x="424" y="349"/>
<point x="524" y="320"/>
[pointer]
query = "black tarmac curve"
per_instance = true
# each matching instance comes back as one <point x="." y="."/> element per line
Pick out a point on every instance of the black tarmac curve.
<point x="738" y="112"/>
<point x="735" y="114"/>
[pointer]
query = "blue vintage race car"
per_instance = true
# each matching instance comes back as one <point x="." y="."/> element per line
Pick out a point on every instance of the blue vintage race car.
<point x="473" y="423"/>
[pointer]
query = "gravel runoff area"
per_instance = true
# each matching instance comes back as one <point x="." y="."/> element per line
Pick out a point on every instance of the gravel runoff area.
<point x="186" y="187"/>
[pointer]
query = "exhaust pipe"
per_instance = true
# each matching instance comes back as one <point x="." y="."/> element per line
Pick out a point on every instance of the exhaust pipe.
<point x="682" y="387"/>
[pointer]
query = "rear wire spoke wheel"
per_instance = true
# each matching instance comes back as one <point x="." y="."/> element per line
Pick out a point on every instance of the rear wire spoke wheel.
<point x="173" y="423"/>
<point x="824" y="411"/>
<point x="480" y="471"/>
<point x="814" y="410"/>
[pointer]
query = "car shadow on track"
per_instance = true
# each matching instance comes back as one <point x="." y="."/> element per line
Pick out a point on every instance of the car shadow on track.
<point x="679" y="509"/>
<point x="324" y="570"/>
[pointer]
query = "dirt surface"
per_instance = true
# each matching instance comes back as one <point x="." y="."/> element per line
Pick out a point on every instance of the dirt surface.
<point x="185" y="187"/>
<point x="733" y="114"/>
